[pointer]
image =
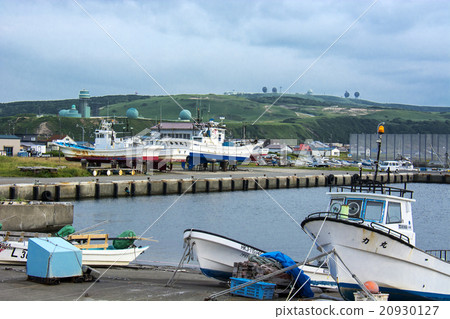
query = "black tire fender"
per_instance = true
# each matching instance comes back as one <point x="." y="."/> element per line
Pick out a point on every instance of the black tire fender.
<point x="47" y="196"/>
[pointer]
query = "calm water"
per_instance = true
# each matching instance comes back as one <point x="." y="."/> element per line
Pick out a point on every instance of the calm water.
<point x="267" y="220"/>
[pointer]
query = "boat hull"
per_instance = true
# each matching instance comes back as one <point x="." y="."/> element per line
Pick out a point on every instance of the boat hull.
<point x="217" y="254"/>
<point x="400" y="269"/>
<point x="108" y="257"/>
<point x="120" y="155"/>
<point x="15" y="253"/>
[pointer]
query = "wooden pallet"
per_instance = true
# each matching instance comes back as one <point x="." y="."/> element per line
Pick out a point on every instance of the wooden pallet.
<point x="85" y="241"/>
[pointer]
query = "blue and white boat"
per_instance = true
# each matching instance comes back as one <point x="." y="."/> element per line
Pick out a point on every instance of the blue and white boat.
<point x="216" y="255"/>
<point x="369" y="235"/>
<point x="209" y="145"/>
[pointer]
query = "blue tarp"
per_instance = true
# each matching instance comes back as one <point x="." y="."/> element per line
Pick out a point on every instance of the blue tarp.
<point x="302" y="279"/>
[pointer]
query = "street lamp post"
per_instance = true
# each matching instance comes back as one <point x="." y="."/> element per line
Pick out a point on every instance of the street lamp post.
<point x="380" y="131"/>
<point x="82" y="128"/>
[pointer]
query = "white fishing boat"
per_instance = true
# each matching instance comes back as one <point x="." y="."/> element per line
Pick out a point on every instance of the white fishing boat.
<point x="111" y="256"/>
<point x="217" y="254"/>
<point x="209" y="145"/>
<point x="14" y="250"/>
<point x="108" y="148"/>
<point x="368" y="232"/>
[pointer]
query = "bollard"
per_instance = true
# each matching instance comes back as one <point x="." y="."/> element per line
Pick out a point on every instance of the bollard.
<point x="115" y="190"/>
<point x="57" y="193"/>
<point x="97" y="191"/>
<point x="77" y="191"/>
<point x="133" y="189"/>
<point x="12" y="192"/>
<point x="35" y="192"/>
<point x="149" y="188"/>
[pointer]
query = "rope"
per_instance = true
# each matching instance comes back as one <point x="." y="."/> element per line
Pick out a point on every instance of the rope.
<point x="185" y="255"/>
<point x="275" y="273"/>
<point x="307" y="256"/>
<point x="330" y="255"/>
<point x="109" y="267"/>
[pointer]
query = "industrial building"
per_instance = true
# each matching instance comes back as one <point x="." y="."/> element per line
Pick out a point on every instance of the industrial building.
<point x="84" y="109"/>
<point x="9" y="145"/>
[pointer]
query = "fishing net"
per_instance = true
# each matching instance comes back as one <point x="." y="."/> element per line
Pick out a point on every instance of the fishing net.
<point x="66" y="231"/>
<point x="124" y="243"/>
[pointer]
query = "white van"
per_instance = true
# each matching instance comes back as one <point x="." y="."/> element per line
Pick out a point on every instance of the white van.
<point x="396" y="166"/>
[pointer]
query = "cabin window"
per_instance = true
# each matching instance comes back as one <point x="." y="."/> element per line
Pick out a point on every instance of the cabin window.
<point x="354" y="207"/>
<point x="101" y="136"/>
<point x="394" y="213"/>
<point x="335" y="205"/>
<point x="374" y="210"/>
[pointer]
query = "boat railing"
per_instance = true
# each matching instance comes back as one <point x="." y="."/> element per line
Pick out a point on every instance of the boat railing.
<point x="390" y="231"/>
<point x="331" y="215"/>
<point x="378" y="189"/>
<point x="20" y="236"/>
<point x="443" y="254"/>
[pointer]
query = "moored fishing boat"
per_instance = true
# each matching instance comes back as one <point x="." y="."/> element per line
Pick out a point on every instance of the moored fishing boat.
<point x="368" y="232"/>
<point x="14" y="249"/>
<point x="217" y="254"/>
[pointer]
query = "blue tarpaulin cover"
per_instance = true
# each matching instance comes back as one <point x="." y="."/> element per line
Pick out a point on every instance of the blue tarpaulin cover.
<point x="302" y="279"/>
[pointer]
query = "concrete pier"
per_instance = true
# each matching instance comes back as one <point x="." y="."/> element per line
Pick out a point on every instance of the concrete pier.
<point x="64" y="191"/>
<point x="35" y="216"/>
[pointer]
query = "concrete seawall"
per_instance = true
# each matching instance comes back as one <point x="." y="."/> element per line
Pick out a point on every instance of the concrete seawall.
<point x="35" y="216"/>
<point x="66" y="191"/>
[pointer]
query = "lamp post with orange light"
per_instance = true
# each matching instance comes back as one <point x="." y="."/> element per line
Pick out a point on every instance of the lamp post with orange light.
<point x="380" y="131"/>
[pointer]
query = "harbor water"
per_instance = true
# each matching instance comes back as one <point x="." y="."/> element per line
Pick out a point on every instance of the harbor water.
<point x="268" y="220"/>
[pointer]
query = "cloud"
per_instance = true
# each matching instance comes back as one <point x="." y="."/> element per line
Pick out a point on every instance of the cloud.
<point x="398" y="52"/>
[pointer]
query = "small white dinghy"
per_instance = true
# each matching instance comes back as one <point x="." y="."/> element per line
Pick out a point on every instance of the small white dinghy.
<point x="217" y="254"/>
<point x="14" y="249"/>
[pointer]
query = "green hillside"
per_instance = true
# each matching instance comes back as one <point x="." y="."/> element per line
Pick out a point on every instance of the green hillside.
<point x="299" y="116"/>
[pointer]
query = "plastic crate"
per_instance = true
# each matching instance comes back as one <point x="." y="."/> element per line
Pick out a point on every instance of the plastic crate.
<point x="359" y="296"/>
<point x="259" y="290"/>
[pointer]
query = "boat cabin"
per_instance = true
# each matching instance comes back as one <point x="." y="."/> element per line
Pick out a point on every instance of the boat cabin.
<point x="211" y="133"/>
<point x="389" y="209"/>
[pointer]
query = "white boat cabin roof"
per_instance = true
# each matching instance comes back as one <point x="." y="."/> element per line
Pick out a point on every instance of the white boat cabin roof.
<point x="390" y="210"/>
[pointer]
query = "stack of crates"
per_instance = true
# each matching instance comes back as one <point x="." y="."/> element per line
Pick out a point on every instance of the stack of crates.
<point x="259" y="290"/>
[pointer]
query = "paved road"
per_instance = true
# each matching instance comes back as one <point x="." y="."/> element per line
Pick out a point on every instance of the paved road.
<point x="121" y="284"/>
<point x="180" y="174"/>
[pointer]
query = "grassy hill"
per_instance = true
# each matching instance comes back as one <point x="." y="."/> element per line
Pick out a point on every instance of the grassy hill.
<point x="327" y="118"/>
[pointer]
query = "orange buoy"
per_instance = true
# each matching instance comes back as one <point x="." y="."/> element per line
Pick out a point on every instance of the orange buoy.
<point x="372" y="287"/>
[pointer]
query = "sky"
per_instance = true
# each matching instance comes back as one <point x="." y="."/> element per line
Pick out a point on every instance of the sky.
<point x="397" y="52"/>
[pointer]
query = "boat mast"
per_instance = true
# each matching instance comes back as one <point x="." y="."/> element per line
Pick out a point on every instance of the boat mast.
<point x="380" y="131"/>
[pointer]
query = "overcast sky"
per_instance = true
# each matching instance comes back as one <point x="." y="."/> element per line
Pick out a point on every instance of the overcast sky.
<point x="399" y="51"/>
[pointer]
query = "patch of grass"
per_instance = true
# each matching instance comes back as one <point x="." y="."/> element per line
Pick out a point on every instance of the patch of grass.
<point x="9" y="167"/>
